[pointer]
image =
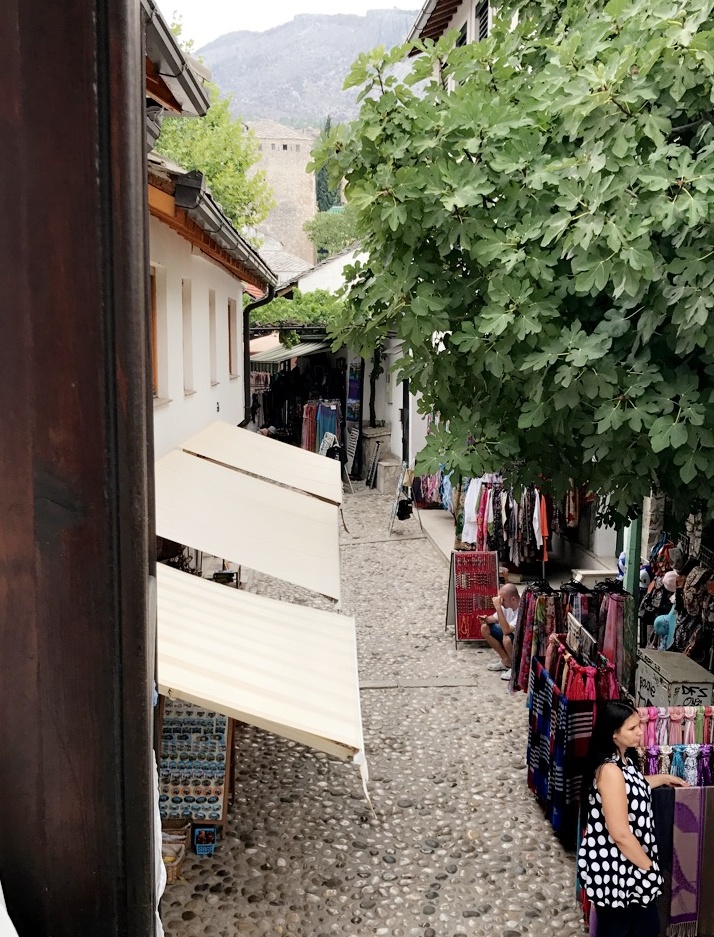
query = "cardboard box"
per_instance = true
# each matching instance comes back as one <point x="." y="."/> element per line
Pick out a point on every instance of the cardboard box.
<point x="665" y="678"/>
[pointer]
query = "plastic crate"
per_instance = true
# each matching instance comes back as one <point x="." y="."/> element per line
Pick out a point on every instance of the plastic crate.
<point x="204" y="840"/>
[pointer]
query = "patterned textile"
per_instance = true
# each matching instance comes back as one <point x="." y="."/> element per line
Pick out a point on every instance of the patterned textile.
<point x="309" y="427"/>
<point x="559" y="733"/>
<point x="706" y="895"/>
<point x="686" y="861"/>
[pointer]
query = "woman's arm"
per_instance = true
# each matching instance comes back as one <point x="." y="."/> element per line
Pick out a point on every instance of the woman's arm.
<point x="659" y="780"/>
<point x="613" y="793"/>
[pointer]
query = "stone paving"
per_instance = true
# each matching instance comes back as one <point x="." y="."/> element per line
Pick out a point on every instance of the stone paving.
<point x="457" y="847"/>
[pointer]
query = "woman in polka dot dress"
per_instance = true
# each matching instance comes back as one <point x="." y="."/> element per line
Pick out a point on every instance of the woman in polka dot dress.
<point x="617" y="860"/>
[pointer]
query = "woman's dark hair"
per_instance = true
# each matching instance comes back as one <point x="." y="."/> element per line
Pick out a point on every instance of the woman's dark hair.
<point x="611" y="716"/>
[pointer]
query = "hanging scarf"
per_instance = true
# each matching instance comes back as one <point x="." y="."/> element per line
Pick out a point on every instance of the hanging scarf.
<point x="708" y="724"/>
<point x="652" y="760"/>
<point x="613" y="646"/>
<point x="678" y="761"/>
<point x="705" y="766"/>
<point x="706" y="896"/>
<point x="689" y="735"/>
<point x="699" y="724"/>
<point x="662" y="725"/>
<point x="691" y="757"/>
<point x="652" y="710"/>
<point x="676" y="715"/>
<point x="686" y="862"/>
<point x="665" y="752"/>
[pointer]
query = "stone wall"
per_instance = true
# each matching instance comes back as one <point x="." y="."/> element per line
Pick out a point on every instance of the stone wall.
<point x="285" y="154"/>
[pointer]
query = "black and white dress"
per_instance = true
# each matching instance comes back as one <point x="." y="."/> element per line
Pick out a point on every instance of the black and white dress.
<point x="608" y="877"/>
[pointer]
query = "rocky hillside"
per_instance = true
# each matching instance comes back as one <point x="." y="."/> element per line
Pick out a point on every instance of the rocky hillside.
<point x="294" y="72"/>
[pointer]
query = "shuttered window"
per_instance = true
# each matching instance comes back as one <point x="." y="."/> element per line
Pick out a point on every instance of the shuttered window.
<point x="481" y="31"/>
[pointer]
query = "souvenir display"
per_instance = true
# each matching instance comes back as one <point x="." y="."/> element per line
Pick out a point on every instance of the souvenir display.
<point x="194" y="768"/>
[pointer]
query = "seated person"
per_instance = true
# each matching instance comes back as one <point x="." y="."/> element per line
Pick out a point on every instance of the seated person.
<point x="497" y="630"/>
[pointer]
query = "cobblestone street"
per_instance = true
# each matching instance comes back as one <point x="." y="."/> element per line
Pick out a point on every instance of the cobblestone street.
<point x="458" y="846"/>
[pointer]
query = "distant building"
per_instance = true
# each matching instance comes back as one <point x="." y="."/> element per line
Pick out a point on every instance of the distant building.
<point x="284" y="155"/>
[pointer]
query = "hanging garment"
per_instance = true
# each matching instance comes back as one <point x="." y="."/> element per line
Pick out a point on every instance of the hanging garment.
<point x="686" y="864"/>
<point x="676" y="715"/>
<point x="662" y="725"/>
<point x="469" y="533"/>
<point x="689" y="734"/>
<point x="677" y="766"/>
<point x="665" y="759"/>
<point x="536" y="519"/>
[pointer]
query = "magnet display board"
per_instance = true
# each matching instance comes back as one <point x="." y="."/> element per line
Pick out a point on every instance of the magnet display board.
<point x="473" y="582"/>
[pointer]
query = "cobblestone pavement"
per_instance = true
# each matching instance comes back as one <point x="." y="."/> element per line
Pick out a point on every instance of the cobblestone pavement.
<point x="458" y="847"/>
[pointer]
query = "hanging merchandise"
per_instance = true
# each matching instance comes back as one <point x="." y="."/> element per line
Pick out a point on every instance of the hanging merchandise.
<point x="195" y="764"/>
<point x="473" y="583"/>
<point x="540" y="614"/>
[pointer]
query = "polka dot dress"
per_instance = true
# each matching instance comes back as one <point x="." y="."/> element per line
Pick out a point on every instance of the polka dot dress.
<point x="608" y="877"/>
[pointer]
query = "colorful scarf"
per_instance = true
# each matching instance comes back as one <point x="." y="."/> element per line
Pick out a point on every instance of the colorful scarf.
<point x="706" y="895"/>
<point x="686" y="861"/>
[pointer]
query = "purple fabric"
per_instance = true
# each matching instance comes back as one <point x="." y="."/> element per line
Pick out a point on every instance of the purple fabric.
<point x="686" y="859"/>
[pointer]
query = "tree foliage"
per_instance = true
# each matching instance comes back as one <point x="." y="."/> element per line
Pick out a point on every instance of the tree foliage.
<point x="332" y="231"/>
<point x="226" y="152"/>
<point x="538" y="218"/>
<point x="318" y="308"/>
<point x="327" y="198"/>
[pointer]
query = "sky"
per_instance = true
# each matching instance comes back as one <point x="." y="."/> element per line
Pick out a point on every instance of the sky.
<point x="205" y="20"/>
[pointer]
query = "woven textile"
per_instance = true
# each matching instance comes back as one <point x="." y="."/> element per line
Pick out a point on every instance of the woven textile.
<point x="686" y="861"/>
<point x="706" y="895"/>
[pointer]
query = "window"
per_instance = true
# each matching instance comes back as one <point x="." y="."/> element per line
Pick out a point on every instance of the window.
<point x="232" y="338"/>
<point x="154" y="337"/>
<point x="481" y="31"/>
<point x="297" y="147"/>
<point x="461" y="41"/>
<point x="285" y="146"/>
<point x="188" y="387"/>
<point x="272" y="146"/>
<point x="212" y="337"/>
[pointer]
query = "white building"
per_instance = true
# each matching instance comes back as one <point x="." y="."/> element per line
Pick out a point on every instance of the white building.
<point x="199" y="265"/>
<point x="472" y="18"/>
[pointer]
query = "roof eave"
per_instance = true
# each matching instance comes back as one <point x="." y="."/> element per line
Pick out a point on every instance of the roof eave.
<point x="192" y="195"/>
<point x="421" y="20"/>
<point x="165" y="52"/>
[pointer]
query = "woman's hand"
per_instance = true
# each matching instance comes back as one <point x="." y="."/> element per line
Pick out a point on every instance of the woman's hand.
<point x="665" y="780"/>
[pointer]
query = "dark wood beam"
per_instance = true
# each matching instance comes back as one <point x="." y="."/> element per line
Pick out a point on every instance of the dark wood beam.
<point x="76" y="813"/>
<point x="158" y="90"/>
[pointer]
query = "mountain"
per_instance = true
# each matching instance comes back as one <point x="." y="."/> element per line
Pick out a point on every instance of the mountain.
<point x="294" y="72"/>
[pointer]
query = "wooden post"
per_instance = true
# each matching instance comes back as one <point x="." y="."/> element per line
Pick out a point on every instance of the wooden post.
<point x="75" y="692"/>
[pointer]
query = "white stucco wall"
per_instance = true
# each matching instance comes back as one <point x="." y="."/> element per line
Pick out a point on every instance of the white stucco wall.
<point x="329" y="275"/>
<point x="177" y="413"/>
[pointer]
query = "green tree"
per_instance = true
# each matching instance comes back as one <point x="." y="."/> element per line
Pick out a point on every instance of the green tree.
<point x="226" y="152"/>
<point x="327" y="198"/>
<point x="540" y="236"/>
<point x="318" y="308"/>
<point x="332" y="231"/>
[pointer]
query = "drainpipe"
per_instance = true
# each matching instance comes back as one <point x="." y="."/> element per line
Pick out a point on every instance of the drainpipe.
<point x="246" y="347"/>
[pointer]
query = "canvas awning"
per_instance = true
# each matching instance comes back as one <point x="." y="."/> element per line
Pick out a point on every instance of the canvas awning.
<point x="269" y="459"/>
<point x="285" y="668"/>
<point x="287" y="534"/>
<point x="281" y="353"/>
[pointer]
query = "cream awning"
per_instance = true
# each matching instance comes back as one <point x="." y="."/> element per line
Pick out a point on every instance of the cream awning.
<point x="285" y="668"/>
<point x="269" y="459"/>
<point x="279" y="532"/>
<point x="281" y="353"/>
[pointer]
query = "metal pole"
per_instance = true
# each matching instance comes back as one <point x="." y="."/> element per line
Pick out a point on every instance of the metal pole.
<point x="76" y="813"/>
